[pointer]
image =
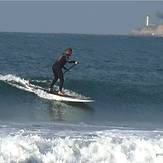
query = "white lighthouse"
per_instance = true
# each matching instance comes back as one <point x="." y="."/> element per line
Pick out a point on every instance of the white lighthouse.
<point x="147" y="21"/>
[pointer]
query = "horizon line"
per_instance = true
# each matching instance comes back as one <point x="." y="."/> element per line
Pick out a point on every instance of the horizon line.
<point x="68" y="33"/>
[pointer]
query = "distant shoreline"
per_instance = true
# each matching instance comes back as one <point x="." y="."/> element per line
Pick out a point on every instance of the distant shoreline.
<point x="83" y="34"/>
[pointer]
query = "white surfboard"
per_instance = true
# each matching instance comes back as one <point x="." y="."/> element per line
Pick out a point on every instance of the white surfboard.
<point x="44" y="93"/>
<point x="68" y="98"/>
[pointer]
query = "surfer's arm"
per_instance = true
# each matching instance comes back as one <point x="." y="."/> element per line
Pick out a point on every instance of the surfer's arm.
<point x="71" y="61"/>
<point x="65" y="68"/>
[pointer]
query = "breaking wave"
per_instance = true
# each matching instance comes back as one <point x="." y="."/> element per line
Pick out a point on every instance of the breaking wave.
<point x="110" y="146"/>
<point x="25" y="85"/>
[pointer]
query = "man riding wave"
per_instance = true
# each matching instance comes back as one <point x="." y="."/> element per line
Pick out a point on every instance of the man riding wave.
<point x="57" y="69"/>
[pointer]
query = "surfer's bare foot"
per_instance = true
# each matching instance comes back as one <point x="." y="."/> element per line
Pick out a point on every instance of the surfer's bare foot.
<point x="61" y="93"/>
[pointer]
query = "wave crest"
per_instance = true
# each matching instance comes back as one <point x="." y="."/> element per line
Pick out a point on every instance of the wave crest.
<point x="25" y="85"/>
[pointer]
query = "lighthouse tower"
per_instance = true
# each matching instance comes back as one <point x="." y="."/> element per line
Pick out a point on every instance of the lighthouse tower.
<point x="147" y="21"/>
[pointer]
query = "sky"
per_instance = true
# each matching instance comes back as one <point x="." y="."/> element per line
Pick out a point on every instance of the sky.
<point x="86" y="17"/>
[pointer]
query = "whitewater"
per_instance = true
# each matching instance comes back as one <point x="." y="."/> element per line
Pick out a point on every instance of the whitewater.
<point x="52" y="145"/>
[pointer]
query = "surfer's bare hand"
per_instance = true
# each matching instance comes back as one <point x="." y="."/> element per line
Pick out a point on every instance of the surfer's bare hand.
<point x="76" y="62"/>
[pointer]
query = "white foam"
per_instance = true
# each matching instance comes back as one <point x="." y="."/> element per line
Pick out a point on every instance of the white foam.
<point x="116" y="147"/>
<point x="25" y="85"/>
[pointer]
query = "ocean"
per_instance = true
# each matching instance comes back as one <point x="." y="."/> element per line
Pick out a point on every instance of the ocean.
<point x="123" y="74"/>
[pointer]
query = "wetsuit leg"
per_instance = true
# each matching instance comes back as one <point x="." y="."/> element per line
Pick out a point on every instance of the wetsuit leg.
<point x="61" y="78"/>
<point x="53" y="82"/>
<point x="55" y="78"/>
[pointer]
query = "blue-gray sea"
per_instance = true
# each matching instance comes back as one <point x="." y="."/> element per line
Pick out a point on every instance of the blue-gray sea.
<point x="123" y="74"/>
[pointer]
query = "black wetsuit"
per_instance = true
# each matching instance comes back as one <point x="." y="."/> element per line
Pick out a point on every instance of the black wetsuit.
<point x="57" y="70"/>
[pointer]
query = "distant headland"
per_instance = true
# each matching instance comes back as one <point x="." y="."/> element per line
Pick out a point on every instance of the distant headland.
<point x="149" y="29"/>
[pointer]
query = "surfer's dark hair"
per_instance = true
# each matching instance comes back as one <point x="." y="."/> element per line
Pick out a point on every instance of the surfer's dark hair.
<point x="70" y="49"/>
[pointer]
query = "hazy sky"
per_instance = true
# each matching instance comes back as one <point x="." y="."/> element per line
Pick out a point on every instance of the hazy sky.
<point x="77" y="17"/>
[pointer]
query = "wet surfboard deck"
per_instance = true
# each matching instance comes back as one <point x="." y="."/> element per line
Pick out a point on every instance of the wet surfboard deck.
<point x="68" y="98"/>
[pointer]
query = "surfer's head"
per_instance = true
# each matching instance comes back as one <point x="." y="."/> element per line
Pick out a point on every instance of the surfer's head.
<point x="68" y="51"/>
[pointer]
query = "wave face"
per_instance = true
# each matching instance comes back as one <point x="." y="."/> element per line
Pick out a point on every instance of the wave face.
<point x="140" y="104"/>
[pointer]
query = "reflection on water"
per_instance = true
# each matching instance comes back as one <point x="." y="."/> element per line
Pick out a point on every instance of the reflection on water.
<point x="56" y="111"/>
<point x="69" y="111"/>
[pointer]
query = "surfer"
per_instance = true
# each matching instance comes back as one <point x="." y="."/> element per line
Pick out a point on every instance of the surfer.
<point x="57" y="69"/>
